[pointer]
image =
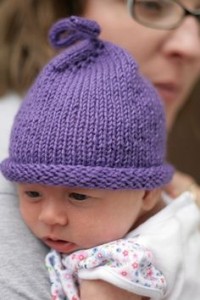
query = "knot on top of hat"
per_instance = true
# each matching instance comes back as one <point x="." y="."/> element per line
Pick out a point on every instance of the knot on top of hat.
<point x="80" y="36"/>
<point x="68" y="31"/>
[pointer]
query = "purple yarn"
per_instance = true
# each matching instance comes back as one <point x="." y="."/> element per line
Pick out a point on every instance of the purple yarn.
<point x="90" y="119"/>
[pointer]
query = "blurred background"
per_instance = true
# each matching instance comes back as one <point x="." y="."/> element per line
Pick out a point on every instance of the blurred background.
<point x="184" y="140"/>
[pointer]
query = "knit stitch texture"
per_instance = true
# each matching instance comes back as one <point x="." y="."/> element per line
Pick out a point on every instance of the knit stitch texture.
<point x="90" y="119"/>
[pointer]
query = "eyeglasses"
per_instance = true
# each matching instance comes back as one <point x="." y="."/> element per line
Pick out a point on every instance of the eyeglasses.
<point x="160" y="14"/>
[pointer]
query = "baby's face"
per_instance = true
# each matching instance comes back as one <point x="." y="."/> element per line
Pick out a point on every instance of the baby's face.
<point x="69" y="219"/>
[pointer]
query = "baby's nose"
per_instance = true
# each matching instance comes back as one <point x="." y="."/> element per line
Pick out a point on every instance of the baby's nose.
<point x="53" y="214"/>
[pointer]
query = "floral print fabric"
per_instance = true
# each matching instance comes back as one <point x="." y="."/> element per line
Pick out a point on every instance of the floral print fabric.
<point x="123" y="263"/>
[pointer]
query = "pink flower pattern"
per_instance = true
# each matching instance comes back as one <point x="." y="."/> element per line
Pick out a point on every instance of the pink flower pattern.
<point x="125" y="258"/>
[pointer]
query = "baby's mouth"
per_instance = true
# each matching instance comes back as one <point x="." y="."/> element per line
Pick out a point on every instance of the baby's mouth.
<point x="60" y="245"/>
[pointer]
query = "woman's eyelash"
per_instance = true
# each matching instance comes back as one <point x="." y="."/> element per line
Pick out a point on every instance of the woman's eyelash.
<point x="32" y="194"/>
<point x="78" y="197"/>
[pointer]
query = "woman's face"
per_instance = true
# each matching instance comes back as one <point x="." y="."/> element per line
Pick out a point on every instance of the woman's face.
<point x="169" y="58"/>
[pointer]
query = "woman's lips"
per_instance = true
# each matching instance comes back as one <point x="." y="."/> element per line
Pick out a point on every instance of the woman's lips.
<point x="60" y="245"/>
<point x="169" y="92"/>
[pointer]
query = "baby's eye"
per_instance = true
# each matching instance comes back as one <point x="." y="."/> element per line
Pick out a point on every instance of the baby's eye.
<point x="78" y="197"/>
<point x="32" y="194"/>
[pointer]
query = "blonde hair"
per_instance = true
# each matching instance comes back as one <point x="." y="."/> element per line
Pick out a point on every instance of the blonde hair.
<point x="24" y="46"/>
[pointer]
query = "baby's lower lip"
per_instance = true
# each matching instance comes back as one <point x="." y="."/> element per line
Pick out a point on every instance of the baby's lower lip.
<point x="60" y="245"/>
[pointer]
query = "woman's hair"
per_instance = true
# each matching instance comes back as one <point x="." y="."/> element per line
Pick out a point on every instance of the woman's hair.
<point x="24" y="46"/>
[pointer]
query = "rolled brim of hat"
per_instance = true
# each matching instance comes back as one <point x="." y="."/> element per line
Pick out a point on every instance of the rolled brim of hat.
<point x="88" y="176"/>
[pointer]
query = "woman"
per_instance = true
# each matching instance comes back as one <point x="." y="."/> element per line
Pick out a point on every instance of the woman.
<point x="169" y="58"/>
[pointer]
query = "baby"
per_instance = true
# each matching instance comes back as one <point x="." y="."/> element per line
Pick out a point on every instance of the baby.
<point x="87" y="152"/>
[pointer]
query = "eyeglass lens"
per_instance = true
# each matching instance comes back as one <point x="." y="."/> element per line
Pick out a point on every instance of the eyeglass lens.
<point x="163" y="14"/>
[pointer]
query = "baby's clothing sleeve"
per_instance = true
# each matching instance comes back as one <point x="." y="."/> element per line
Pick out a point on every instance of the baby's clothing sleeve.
<point x="123" y="263"/>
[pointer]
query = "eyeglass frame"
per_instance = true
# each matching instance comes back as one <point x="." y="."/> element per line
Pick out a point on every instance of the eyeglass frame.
<point x="187" y="12"/>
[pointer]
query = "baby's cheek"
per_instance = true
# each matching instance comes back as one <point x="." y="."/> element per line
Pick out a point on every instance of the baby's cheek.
<point x="24" y="212"/>
<point x="29" y="216"/>
<point x="105" y="236"/>
<point x="117" y="231"/>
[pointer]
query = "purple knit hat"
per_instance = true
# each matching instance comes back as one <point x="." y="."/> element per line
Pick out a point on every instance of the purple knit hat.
<point x="90" y="119"/>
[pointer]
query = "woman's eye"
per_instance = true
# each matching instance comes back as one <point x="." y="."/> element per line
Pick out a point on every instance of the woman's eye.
<point x="33" y="194"/>
<point x="154" y="6"/>
<point x="78" y="197"/>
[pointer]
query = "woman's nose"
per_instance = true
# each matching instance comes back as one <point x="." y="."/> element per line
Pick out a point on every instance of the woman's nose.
<point x="184" y="41"/>
<point x="53" y="214"/>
